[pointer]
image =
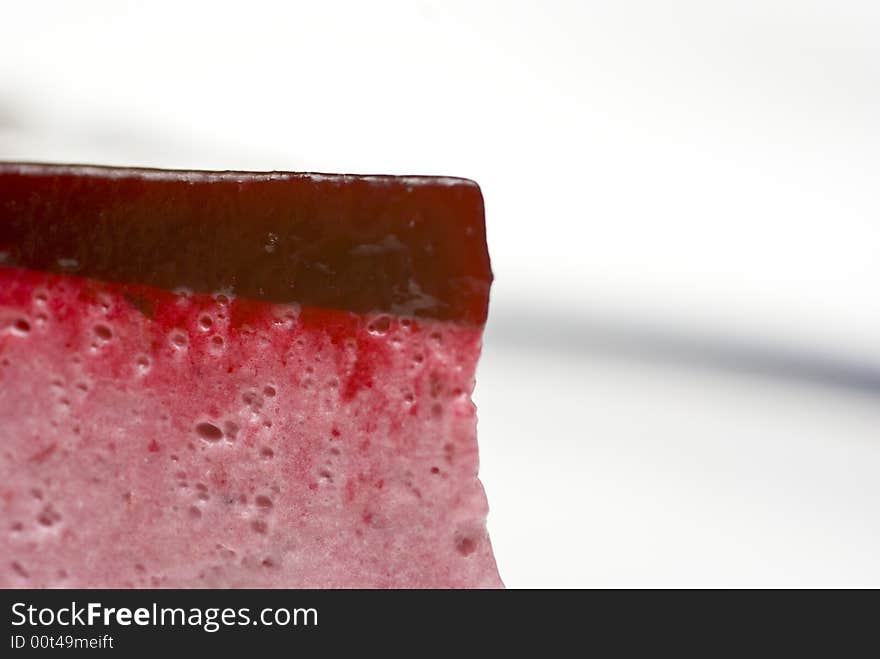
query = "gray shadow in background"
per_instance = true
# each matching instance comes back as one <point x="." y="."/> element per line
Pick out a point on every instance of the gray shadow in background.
<point x="662" y="345"/>
<point x="12" y="114"/>
<point x="12" y="120"/>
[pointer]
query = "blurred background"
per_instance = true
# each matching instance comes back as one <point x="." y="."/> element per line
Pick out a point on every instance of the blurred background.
<point x="681" y="377"/>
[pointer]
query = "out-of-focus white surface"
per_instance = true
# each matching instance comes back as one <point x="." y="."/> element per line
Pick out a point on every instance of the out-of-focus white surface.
<point x="707" y="167"/>
<point x="603" y="472"/>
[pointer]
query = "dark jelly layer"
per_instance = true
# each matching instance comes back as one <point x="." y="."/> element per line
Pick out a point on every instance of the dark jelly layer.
<point x="403" y="245"/>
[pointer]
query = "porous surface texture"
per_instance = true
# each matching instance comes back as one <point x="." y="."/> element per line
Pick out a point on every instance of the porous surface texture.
<point x="156" y="437"/>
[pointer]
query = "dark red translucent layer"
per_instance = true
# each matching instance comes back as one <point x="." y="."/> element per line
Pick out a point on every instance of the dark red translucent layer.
<point x="404" y="245"/>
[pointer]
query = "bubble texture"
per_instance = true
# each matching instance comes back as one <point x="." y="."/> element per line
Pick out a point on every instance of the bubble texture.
<point x="319" y="448"/>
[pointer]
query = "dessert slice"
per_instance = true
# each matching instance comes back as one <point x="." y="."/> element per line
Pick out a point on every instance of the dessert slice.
<point x="240" y="380"/>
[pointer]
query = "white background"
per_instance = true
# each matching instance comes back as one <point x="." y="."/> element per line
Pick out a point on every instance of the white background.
<point x="681" y="375"/>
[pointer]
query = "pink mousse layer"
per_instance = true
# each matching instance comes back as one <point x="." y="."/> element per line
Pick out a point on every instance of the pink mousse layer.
<point x="151" y="439"/>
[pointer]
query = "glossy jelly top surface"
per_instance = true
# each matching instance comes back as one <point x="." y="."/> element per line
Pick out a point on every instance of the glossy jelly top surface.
<point x="409" y="245"/>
